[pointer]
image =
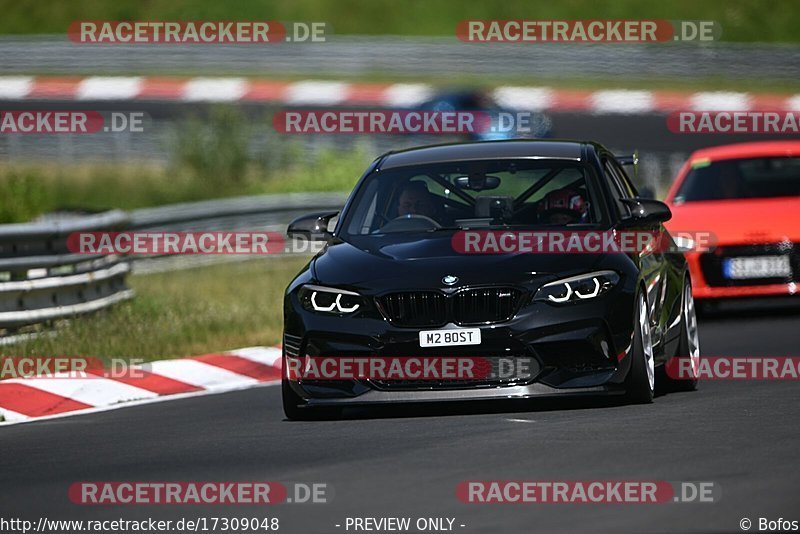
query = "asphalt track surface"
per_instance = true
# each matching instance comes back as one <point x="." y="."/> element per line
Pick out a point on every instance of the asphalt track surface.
<point x="743" y="436"/>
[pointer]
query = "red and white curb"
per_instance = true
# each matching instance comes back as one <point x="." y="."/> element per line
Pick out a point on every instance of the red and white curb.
<point x="27" y="399"/>
<point x="337" y="93"/>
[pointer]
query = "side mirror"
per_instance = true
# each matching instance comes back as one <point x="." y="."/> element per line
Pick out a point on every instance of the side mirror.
<point x="313" y="226"/>
<point x="646" y="211"/>
<point x="632" y="159"/>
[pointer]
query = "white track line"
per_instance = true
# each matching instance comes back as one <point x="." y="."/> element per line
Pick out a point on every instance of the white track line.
<point x="11" y="417"/>
<point x="316" y="93"/>
<point x="109" y="88"/>
<point x="163" y="398"/>
<point x="720" y="101"/>
<point x="266" y="355"/>
<point x="94" y="391"/>
<point x="622" y="101"/>
<point x="527" y="98"/>
<point x="214" y="89"/>
<point x="406" y="95"/>
<point x="15" y="87"/>
<point x="199" y="374"/>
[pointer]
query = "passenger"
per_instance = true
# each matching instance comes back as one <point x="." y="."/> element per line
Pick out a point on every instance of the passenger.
<point x="563" y="206"/>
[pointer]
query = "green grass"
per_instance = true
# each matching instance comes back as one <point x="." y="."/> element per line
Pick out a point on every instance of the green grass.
<point x="209" y="158"/>
<point x="29" y="190"/>
<point x="331" y="171"/>
<point x="182" y="313"/>
<point x="741" y="20"/>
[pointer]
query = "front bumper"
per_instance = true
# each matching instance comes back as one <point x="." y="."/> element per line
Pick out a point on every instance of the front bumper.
<point x="579" y="348"/>
<point x="372" y="396"/>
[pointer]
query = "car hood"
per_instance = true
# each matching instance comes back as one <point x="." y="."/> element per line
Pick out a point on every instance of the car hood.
<point x="374" y="263"/>
<point x="734" y="222"/>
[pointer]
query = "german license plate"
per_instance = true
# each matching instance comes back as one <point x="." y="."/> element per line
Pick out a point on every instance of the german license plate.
<point x="756" y="267"/>
<point x="450" y="337"/>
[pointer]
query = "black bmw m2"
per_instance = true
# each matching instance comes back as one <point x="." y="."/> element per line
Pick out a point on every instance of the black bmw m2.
<point x="424" y="262"/>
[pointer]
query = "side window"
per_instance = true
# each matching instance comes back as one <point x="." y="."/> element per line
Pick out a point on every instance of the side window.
<point x="625" y="181"/>
<point x="364" y="219"/>
<point x="616" y="189"/>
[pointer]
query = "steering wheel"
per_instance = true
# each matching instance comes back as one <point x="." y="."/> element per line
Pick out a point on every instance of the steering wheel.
<point x="408" y="223"/>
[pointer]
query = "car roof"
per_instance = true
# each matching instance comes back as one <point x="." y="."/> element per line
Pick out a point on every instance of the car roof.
<point x="510" y="149"/>
<point x="748" y="150"/>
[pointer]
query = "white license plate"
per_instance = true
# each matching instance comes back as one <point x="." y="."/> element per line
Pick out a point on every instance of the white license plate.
<point x="450" y="337"/>
<point x="756" y="267"/>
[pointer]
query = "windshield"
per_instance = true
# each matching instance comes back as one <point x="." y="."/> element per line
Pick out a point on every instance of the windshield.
<point x="473" y="194"/>
<point x="741" y="178"/>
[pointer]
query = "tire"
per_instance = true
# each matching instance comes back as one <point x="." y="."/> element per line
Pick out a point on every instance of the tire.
<point x="294" y="409"/>
<point x="689" y="343"/>
<point x="640" y="382"/>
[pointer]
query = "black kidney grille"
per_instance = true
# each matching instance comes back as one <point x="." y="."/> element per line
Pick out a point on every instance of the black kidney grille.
<point x="414" y="308"/>
<point x="486" y="305"/>
<point x="465" y="307"/>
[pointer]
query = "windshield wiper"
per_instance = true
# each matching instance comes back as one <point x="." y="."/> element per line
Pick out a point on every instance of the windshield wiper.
<point x="445" y="229"/>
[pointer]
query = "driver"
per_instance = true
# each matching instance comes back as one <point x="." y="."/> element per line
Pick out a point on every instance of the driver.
<point x="563" y="206"/>
<point x="415" y="199"/>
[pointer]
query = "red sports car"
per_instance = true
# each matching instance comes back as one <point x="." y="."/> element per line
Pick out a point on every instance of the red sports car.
<point x="747" y="196"/>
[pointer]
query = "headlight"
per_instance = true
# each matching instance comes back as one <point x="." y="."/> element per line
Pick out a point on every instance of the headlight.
<point x="329" y="299"/>
<point x="577" y="288"/>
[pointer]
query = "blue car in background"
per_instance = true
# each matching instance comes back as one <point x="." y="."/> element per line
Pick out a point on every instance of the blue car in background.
<point x="503" y="119"/>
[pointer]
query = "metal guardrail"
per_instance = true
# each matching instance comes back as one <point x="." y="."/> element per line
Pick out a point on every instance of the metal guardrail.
<point x="251" y="212"/>
<point x="264" y="212"/>
<point x="357" y="55"/>
<point x="42" y="281"/>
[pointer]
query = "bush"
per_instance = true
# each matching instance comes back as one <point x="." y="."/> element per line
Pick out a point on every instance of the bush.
<point x="23" y="196"/>
<point x="215" y="150"/>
